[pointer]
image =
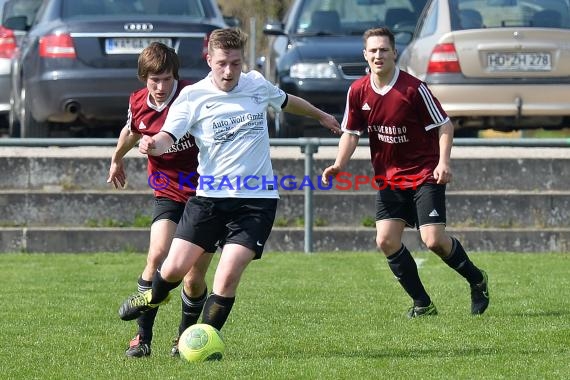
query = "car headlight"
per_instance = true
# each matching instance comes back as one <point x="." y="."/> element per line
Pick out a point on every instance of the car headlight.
<point x="313" y="70"/>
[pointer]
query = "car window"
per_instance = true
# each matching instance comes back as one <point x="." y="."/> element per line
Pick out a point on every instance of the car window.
<point x="428" y="24"/>
<point x="18" y="8"/>
<point x="476" y="14"/>
<point x="81" y="8"/>
<point x="355" y="16"/>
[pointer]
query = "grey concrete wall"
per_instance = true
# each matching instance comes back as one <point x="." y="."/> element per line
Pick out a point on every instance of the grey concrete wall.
<point x="503" y="200"/>
<point x="465" y="209"/>
<point x="74" y="240"/>
<point x="89" y="173"/>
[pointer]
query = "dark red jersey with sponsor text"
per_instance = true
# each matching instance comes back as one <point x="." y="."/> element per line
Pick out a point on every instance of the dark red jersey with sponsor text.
<point x="402" y="121"/>
<point x="174" y="174"/>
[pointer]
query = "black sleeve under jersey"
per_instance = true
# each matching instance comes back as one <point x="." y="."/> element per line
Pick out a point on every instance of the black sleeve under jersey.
<point x="285" y="101"/>
<point x="171" y="135"/>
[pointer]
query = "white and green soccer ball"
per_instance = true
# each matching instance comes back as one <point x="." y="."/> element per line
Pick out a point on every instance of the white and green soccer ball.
<point x="200" y="343"/>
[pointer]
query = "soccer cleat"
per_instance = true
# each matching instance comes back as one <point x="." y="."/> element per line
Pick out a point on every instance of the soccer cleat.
<point x="135" y="306"/>
<point x="137" y="348"/>
<point x="422" y="311"/>
<point x="480" y="296"/>
<point x="174" y="350"/>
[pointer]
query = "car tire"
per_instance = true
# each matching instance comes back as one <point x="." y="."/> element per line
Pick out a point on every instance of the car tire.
<point x="29" y="127"/>
<point x="285" y="129"/>
<point x="13" y="122"/>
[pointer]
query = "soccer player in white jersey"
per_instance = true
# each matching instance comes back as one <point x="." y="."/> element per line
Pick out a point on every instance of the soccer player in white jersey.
<point x="410" y="144"/>
<point x="226" y="114"/>
<point x="158" y="68"/>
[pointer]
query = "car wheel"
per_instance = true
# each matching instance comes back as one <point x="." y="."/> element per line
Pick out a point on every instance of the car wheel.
<point x="466" y="132"/>
<point x="13" y="122"/>
<point x="29" y="127"/>
<point x="284" y="128"/>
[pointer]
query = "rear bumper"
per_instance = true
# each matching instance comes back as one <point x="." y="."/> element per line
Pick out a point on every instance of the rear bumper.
<point x="503" y="100"/>
<point x="327" y="95"/>
<point x="99" y="95"/>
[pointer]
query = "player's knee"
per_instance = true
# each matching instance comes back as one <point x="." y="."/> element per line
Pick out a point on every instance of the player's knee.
<point x="153" y="261"/>
<point x="434" y="244"/>
<point x="387" y="245"/>
<point x="194" y="285"/>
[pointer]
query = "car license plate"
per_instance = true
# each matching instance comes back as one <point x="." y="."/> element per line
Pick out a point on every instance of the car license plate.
<point x="131" y="45"/>
<point x="519" y="61"/>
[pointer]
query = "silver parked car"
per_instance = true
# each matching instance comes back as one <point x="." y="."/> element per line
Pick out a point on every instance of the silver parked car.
<point x="495" y="64"/>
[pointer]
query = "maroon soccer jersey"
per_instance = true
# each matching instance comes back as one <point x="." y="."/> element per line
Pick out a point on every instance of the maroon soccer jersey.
<point x="174" y="174"/>
<point x="402" y="121"/>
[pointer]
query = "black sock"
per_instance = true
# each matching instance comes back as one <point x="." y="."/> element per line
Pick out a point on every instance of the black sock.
<point x="459" y="261"/>
<point x="146" y="321"/>
<point x="216" y="310"/>
<point x="161" y="287"/>
<point x="405" y="269"/>
<point x="191" y="310"/>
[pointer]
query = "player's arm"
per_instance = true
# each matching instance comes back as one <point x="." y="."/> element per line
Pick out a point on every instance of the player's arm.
<point x="442" y="172"/>
<point x="346" y="146"/>
<point x="300" y="106"/>
<point x="127" y="140"/>
<point x="157" y="144"/>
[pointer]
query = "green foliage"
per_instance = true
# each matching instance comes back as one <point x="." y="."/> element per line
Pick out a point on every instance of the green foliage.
<point x="290" y="321"/>
<point x="108" y="222"/>
<point x="140" y="220"/>
<point x="369" y="221"/>
<point x="281" y="222"/>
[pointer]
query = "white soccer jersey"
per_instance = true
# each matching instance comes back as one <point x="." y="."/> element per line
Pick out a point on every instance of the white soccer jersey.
<point x="230" y="129"/>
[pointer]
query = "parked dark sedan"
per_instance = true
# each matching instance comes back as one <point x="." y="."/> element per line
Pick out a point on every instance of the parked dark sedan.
<point x="77" y="64"/>
<point x="316" y="52"/>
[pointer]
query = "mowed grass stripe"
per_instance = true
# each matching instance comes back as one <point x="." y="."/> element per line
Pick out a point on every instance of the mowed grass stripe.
<point x="297" y="316"/>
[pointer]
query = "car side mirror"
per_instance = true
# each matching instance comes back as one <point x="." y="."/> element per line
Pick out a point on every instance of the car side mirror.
<point x="232" y="22"/>
<point x="16" y="23"/>
<point x="274" y="28"/>
<point x="403" y="37"/>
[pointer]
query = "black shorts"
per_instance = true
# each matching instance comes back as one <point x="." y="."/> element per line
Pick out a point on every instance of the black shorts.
<point x="166" y="208"/>
<point x="424" y="205"/>
<point x="208" y="222"/>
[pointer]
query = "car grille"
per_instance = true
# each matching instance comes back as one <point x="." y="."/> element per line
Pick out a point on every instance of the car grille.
<point x="353" y="70"/>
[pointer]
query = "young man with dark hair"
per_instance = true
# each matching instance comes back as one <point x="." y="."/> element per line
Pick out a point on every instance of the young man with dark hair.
<point x="410" y="144"/>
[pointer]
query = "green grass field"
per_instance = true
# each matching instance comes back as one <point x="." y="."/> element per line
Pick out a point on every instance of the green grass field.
<point x="297" y="316"/>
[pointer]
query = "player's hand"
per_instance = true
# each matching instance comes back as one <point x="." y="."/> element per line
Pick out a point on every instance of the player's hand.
<point x="330" y="122"/>
<point x="146" y="144"/>
<point x="117" y="175"/>
<point x="442" y="174"/>
<point x="329" y="173"/>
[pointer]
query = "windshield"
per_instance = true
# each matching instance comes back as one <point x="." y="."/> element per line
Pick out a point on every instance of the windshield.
<point x="477" y="14"/>
<point x="334" y="17"/>
<point x="82" y="8"/>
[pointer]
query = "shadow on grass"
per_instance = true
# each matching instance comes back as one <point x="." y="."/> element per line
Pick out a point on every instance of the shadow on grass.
<point x="541" y="313"/>
<point x="428" y="353"/>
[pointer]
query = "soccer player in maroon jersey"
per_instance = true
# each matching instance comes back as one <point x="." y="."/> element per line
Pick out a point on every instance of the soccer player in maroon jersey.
<point x="158" y="68"/>
<point x="410" y="145"/>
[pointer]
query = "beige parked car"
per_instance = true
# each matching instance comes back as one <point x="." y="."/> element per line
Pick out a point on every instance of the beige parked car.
<point x="495" y="64"/>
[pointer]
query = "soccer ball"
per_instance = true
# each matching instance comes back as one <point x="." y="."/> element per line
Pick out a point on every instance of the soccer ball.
<point x="200" y="343"/>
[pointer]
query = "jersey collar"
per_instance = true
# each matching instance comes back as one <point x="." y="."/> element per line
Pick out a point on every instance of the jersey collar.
<point x="384" y="90"/>
<point x="166" y="103"/>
